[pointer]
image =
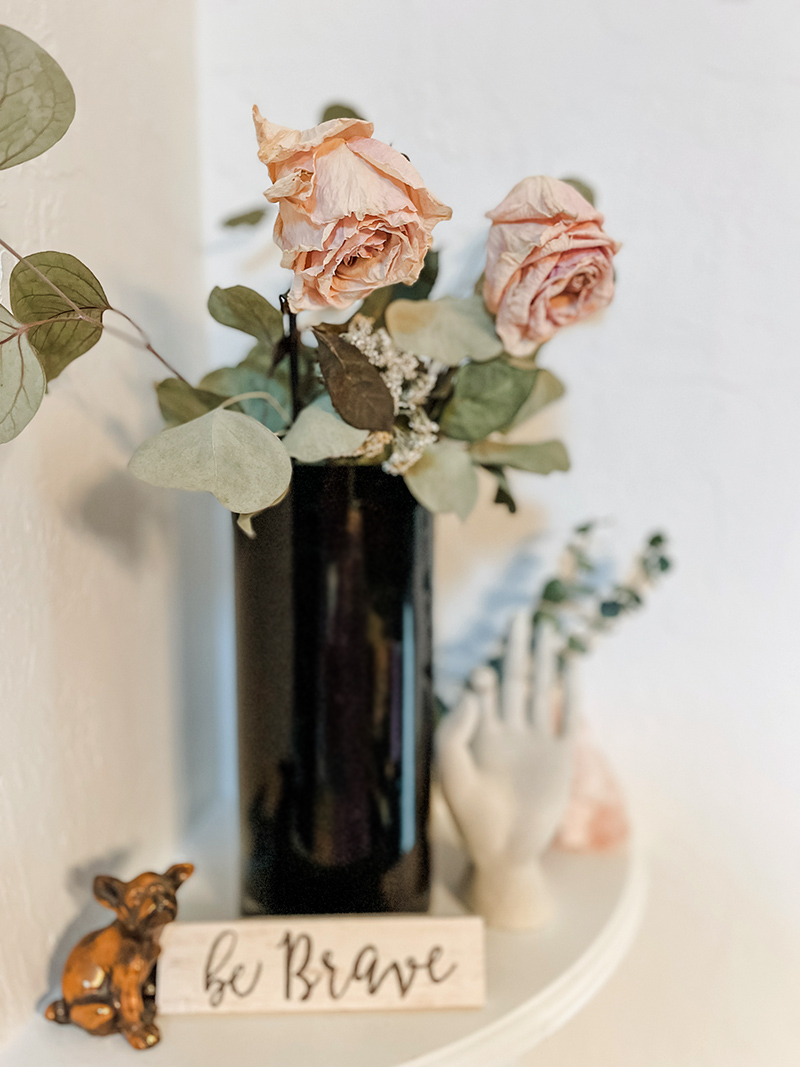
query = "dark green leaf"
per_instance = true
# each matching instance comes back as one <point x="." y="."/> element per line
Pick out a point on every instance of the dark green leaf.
<point x="261" y="356"/>
<point x="586" y="191"/>
<point x="542" y="458"/>
<point x="486" y="397"/>
<point x="503" y="494"/>
<point x="575" y="644"/>
<point x="356" y="388"/>
<point x="37" y="103"/>
<point x="377" y="302"/>
<point x="247" y="378"/>
<point x="657" y="540"/>
<point x="339" y="111"/>
<point x="609" y="609"/>
<point x="32" y="300"/>
<point x="556" y="591"/>
<point x="421" y="288"/>
<point x="246" y="218"/>
<point x="585" y="528"/>
<point x="628" y="596"/>
<point x="546" y="389"/>
<point x="664" y="564"/>
<point x="246" y="310"/>
<point x="180" y="402"/>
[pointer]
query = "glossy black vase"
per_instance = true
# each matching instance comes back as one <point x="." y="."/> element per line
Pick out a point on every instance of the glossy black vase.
<point x="333" y="602"/>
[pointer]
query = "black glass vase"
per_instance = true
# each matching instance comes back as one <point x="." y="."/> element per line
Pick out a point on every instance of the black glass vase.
<point x="333" y="615"/>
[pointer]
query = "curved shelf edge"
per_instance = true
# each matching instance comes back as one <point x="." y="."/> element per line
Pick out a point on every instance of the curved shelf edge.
<point x="525" y="1027"/>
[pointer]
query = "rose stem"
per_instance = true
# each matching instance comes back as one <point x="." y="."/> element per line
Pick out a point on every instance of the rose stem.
<point x="292" y="350"/>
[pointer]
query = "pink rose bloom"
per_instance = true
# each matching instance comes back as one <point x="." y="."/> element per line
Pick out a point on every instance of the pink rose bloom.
<point x="548" y="262"/>
<point x="353" y="214"/>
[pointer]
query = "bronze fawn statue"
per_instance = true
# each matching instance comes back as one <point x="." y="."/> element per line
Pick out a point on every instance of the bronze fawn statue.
<point x="109" y="980"/>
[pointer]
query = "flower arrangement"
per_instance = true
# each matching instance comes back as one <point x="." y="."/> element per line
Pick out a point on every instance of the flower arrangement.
<point x="427" y="388"/>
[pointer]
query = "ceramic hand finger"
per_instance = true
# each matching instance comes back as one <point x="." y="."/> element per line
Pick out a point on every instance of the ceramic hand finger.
<point x="544" y="656"/>
<point x="453" y="740"/>
<point x="516" y="671"/>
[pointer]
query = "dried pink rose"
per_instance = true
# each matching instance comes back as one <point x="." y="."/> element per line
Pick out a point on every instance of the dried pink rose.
<point x="548" y="262"/>
<point x="353" y="214"/>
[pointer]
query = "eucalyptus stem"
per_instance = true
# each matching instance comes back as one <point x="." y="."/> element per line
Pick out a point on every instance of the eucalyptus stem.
<point x="292" y="342"/>
<point x="143" y="342"/>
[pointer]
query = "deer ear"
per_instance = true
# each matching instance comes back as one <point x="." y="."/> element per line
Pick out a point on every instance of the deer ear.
<point x="179" y="872"/>
<point x="110" y="891"/>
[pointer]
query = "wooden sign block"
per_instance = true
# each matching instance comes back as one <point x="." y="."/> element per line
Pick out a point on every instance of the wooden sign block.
<point x="371" y="963"/>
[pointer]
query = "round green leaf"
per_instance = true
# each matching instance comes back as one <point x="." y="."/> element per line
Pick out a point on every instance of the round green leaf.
<point x="449" y="329"/>
<point x="37" y="103"/>
<point x="67" y="336"/>
<point x="246" y="310"/>
<point x="225" y="453"/>
<point x="247" y="378"/>
<point x="339" y="111"/>
<point x="542" y="458"/>
<point x="180" y="402"/>
<point x="444" y="480"/>
<point x="486" y="397"/>
<point x="22" y="379"/>
<point x="319" y="433"/>
<point x="546" y="389"/>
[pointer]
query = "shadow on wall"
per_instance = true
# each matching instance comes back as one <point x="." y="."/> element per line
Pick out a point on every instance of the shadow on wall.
<point x="488" y="617"/>
<point x="91" y="915"/>
<point x="206" y="724"/>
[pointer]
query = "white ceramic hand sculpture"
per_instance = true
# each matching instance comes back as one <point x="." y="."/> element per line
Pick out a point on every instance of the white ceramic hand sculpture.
<point x="505" y="762"/>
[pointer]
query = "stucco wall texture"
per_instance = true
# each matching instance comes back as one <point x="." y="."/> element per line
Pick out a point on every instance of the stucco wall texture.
<point x="93" y="743"/>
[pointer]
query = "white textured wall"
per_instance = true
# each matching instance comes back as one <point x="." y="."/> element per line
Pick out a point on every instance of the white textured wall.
<point x="95" y="739"/>
<point x="682" y="411"/>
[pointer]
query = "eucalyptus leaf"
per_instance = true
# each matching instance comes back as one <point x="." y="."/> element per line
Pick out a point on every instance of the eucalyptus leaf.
<point x="246" y="310"/>
<point x="449" y="329"/>
<point x="486" y="397"/>
<point x="180" y="402"/>
<point x="542" y="458"/>
<point x="339" y="111"/>
<point x="546" y="389"/>
<point x="503" y="494"/>
<point x="67" y="336"/>
<point x="421" y="288"/>
<point x="246" y="218"/>
<point x="318" y="433"/>
<point x="375" y="305"/>
<point x="22" y="381"/>
<point x="37" y="103"/>
<point x="246" y="378"/>
<point x="357" y="389"/>
<point x="444" y="480"/>
<point x="261" y="356"/>
<point x="225" y="453"/>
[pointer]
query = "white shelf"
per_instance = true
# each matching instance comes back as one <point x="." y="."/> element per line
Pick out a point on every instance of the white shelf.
<point x="536" y="982"/>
